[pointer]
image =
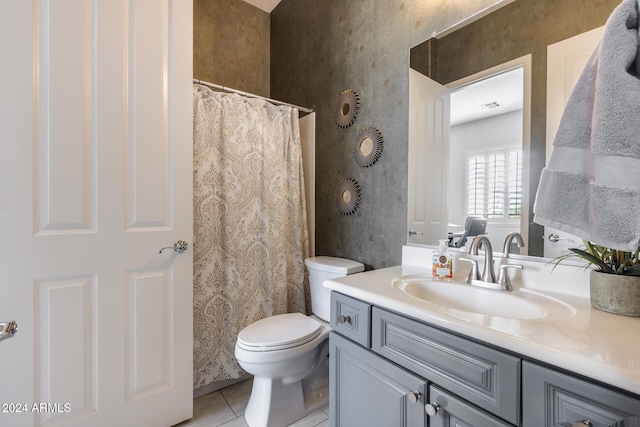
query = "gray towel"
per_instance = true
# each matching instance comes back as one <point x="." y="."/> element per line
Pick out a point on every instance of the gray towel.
<point x="591" y="186"/>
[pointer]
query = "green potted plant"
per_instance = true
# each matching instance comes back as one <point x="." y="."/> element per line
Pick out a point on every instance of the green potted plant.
<point x="615" y="282"/>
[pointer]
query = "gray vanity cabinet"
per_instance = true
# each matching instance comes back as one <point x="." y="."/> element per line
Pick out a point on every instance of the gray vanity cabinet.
<point x="554" y="399"/>
<point x="387" y="370"/>
<point x="368" y="391"/>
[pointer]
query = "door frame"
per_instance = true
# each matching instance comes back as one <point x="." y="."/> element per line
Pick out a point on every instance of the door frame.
<point x="523" y="62"/>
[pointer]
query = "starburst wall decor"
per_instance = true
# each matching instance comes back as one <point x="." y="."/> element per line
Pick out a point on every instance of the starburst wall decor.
<point x="367" y="147"/>
<point x="347" y="108"/>
<point x="348" y="196"/>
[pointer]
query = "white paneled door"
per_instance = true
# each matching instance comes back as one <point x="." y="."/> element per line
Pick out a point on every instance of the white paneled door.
<point x="429" y="110"/>
<point x="95" y="178"/>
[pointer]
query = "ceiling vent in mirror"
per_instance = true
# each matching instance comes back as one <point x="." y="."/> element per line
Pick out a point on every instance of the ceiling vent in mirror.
<point x="490" y="105"/>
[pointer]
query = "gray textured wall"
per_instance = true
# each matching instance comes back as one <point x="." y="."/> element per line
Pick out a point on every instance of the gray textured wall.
<point x="231" y="45"/>
<point x="318" y="49"/>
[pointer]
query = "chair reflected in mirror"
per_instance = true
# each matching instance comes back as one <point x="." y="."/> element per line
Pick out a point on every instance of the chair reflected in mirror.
<point x="473" y="226"/>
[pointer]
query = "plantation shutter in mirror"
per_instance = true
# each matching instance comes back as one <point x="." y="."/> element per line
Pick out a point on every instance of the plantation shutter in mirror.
<point x="494" y="183"/>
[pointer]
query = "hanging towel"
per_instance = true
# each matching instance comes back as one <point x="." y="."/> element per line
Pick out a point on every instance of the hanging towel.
<point x="591" y="186"/>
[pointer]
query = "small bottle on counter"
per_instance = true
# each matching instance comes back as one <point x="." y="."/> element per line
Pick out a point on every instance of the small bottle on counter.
<point x="442" y="262"/>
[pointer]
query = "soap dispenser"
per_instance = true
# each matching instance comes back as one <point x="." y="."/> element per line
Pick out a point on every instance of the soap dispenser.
<point x="442" y="262"/>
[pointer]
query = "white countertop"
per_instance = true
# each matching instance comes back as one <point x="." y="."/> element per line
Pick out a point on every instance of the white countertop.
<point x="591" y="343"/>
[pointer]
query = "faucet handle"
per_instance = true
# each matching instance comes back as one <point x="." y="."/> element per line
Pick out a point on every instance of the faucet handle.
<point x="473" y="274"/>
<point x="503" y="277"/>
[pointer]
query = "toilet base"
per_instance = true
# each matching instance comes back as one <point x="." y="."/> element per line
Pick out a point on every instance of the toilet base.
<point x="274" y="404"/>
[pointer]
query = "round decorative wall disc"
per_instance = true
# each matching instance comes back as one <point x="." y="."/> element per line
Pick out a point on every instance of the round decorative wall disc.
<point x="348" y="196"/>
<point x="367" y="147"/>
<point x="347" y="108"/>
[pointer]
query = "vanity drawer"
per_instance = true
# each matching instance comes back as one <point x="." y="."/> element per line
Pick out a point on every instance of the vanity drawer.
<point x="551" y="398"/>
<point x="351" y="318"/>
<point x="488" y="378"/>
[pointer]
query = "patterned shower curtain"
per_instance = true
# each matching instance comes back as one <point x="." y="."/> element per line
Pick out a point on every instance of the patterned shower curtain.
<point x="250" y="230"/>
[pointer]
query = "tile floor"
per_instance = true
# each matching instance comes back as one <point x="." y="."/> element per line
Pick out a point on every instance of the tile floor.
<point x="226" y="408"/>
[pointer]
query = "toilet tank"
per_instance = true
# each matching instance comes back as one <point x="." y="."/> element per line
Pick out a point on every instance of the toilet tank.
<point x="323" y="268"/>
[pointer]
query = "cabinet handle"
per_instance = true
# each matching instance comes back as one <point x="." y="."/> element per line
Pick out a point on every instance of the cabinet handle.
<point x="431" y="409"/>
<point x="581" y="423"/>
<point x="413" y="396"/>
<point x="344" y="319"/>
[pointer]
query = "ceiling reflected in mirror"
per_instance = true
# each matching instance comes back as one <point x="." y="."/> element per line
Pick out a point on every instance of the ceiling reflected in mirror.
<point x="495" y="95"/>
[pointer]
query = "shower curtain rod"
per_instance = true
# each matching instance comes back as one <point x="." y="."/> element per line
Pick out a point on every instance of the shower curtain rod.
<point x="251" y="95"/>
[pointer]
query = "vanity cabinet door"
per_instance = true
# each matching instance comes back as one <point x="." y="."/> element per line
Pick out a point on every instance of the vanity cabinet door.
<point x="366" y="390"/>
<point x="449" y="411"/>
<point x="486" y="377"/>
<point x="554" y="399"/>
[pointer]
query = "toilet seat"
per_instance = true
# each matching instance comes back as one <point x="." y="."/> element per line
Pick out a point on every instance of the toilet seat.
<point x="279" y="332"/>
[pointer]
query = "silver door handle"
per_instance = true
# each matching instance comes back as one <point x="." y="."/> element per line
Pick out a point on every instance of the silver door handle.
<point x="554" y="238"/>
<point x="179" y="246"/>
<point x="8" y="329"/>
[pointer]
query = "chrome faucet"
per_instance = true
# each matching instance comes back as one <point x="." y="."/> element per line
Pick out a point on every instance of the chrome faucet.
<point x="509" y="240"/>
<point x="487" y="272"/>
<point x="488" y="278"/>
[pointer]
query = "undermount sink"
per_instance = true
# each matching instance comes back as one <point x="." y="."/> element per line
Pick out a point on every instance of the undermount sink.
<point x="523" y="304"/>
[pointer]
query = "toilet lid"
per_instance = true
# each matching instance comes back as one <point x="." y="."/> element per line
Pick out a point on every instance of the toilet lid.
<point x="279" y="332"/>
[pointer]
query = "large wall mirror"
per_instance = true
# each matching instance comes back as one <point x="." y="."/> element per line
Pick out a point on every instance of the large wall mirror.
<point x="496" y="71"/>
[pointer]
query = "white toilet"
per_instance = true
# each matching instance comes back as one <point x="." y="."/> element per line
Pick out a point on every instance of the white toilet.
<point x="287" y="354"/>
